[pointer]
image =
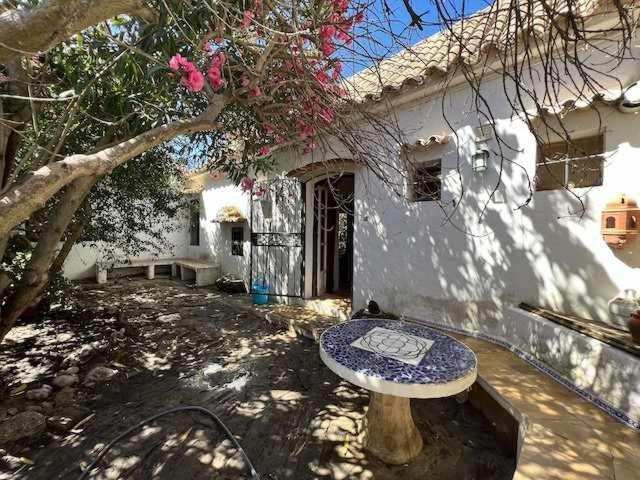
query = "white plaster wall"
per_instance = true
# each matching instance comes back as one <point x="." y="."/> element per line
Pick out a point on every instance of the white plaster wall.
<point x="408" y="255"/>
<point x="82" y="259"/>
<point x="215" y="238"/>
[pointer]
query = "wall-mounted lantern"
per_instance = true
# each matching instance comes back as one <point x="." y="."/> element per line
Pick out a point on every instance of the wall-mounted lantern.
<point x="480" y="160"/>
<point x="620" y="221"/>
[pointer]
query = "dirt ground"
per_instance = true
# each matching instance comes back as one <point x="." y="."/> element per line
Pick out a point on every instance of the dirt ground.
<point x="294" y="417"/>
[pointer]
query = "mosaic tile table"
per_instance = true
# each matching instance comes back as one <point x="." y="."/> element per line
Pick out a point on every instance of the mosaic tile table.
<point x="396" y="361"/>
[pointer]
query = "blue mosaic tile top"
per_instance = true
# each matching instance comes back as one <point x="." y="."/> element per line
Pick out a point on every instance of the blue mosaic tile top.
<point x="447" y="360"/>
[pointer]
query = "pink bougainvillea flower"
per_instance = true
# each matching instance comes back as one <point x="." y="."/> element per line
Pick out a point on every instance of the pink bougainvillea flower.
<point x="322" y="78"/>
<point x="218" y="59"/>
<point x="328" y="48"/>
<point x="255" y="92"/>
<point x="244" y="81"/>
<point x="179" y="63"/>
<point x="344" y="37"/>
<point x="215" y="77"/>
<point x="309" y="148"/>
<point x="264" y="151"/>
<point x="326" y="33"/>
<point x="215" y="71"/>
<point x="194" y="81"/>
<point x="191" y="77"/>
<point x="176" y="62"/>
<point x="247" y="18"/>
<point x="326" y="114"/>
<point x="305" y="130"/>
<point x="268" y="129"/>
<point x="247" y="184"/>
<point x="358" y="17"/>
<point x="340" y="6"/>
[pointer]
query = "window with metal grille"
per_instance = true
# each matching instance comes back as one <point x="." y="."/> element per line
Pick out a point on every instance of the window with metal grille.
<point x="426" y="181"/>
<point x="194" y="222"/>
<point x="237" y="241"/>
<point x="574" y="164"/>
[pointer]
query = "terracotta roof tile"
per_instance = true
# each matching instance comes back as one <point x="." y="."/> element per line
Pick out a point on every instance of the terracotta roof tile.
<point x="469" y="40"/>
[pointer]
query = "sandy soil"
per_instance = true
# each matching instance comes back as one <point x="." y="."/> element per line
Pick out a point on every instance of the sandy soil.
<point x="295" y="419"/>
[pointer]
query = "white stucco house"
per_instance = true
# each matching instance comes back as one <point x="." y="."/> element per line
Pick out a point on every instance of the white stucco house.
<point x="453" y="249"/>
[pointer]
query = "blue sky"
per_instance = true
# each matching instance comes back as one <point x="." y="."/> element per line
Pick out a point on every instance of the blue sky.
<point x="379" y="40"/>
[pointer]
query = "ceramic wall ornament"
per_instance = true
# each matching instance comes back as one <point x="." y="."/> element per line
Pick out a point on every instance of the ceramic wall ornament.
<point x="620" y="221"/>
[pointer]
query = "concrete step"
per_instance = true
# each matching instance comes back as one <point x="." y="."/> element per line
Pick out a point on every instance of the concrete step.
<point x="334" y="307"/>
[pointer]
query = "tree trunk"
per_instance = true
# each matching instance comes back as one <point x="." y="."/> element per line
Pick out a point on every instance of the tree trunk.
<point x="5" y="280"/>
<point x="36" y="275"/>
<point x="27" y="31"/>
<point x="22" y="200"/>
<point x="14" y="118"/>
<point x="73" y="235"/>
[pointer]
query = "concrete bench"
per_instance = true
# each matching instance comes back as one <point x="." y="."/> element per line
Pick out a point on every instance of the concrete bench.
<point x="203" y="272"/>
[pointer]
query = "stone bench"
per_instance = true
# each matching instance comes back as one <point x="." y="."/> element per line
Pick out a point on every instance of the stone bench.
<point x="203" y="272"/>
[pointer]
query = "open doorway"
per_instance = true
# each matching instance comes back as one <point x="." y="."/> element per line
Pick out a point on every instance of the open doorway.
<point x="333" y="209"/>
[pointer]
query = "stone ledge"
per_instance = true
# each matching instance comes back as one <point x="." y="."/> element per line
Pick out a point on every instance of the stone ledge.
<point x="561" y="436"/>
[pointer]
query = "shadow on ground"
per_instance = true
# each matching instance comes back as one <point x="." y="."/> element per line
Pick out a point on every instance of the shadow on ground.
<point x="295" y="419"/>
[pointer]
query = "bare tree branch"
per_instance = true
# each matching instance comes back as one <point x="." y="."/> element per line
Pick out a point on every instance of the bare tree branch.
<point x="26" y="31"/>
<point x="17" y="204"/>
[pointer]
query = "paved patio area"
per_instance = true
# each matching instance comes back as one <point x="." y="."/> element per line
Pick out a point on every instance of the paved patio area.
<point x="563" y="437"/>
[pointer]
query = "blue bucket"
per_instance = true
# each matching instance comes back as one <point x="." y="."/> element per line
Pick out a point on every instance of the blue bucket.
<point x="259" y="293"/>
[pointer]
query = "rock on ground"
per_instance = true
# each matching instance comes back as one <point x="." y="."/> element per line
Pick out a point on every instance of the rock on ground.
<point x="83" y="354"/>
<point x="66" y="396"/>
<point x="41" y="393"/>
<point x="67" y="418"/>
<point x="65" y="380"/>
<point x="170" y="318"/>
<point x="100" y="374"/>
<point x="22" y="425"/>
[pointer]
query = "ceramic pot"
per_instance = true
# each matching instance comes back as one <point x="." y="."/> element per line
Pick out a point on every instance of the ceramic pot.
<point x="634" y="327"/>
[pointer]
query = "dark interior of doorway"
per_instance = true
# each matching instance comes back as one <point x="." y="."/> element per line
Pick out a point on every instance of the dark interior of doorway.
<point x="339" y="211"/>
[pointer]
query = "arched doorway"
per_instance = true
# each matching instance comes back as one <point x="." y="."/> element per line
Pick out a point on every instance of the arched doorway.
<point x="329" y="187"/>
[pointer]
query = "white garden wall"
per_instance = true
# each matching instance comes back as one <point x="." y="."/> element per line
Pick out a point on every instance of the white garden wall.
<point x="80" y="263"/>
<point x="215" y="238"/>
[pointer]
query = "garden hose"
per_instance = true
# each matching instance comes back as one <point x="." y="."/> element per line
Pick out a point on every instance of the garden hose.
<point x="254" y="474"/>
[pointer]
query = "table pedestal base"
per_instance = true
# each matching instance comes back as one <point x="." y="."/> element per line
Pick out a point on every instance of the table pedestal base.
<point x="390" y="433"/>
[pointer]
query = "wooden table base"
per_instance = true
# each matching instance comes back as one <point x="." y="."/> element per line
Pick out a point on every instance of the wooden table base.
<point x="390" y="433"/>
